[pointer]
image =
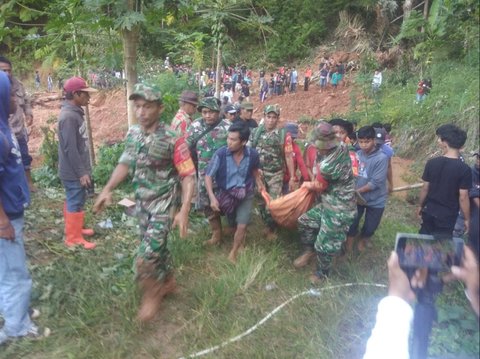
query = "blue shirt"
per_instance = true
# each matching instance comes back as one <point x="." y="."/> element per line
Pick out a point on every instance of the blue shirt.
<point x="227" y="174"/>
<point x="14" y="194"/>
<point x="372" y="169"/>
<point x="387" y="150"/>
<point x="294" y="76"/>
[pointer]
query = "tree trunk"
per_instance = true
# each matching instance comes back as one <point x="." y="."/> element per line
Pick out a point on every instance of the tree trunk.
<point x="91" y="149"/>
<point x="425" y="12"/>
<point x="88" y="124"/>
<point x="219" y="65"/>
<point x="130" y="44"/>
<point x="407" y="9"/>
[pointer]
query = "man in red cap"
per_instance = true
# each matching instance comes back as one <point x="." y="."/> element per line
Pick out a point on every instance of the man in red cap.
<point x="74" y="167"/>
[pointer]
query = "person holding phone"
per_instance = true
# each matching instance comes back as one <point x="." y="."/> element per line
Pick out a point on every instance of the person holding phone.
<point x="390" y="335"/>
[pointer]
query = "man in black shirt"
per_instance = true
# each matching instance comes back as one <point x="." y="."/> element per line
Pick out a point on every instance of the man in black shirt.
<point x="446" y="183"/>
<point x="246" y="112"/>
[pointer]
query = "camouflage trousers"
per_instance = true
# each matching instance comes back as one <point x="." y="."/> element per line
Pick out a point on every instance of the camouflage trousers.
<point x="324" y="229"/>
<point x="153" y="258"/>
<point x="273" y="185"/>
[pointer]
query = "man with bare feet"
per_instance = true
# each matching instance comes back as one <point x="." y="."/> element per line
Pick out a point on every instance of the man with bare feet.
<point x="234" y="168"/>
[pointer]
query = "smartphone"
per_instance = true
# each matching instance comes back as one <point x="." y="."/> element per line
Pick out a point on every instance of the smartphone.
<point x="424" y="251"/>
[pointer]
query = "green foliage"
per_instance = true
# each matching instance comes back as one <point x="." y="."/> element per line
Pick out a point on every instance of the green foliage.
<point x="455" y="326"/>
<point x="451" y="30"/>
<point x="47" y="174"/>
<point x="107" y="160"/>
<point x="171" y="87"/>
<point x="298" y="25"/>
<point x="49" y="147"/>
<point x="46" y="177"/>
<point x="454" y="98"/>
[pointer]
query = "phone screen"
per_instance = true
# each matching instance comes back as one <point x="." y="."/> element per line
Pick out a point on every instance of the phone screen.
<point x="420" y="251"/>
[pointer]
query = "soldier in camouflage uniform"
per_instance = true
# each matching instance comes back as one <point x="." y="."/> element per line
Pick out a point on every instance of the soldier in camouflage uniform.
<point x="204" y="137"/>
<point x="323" y="228"/>
<point x="159" y="161"/>
<point x="274" y="146"/>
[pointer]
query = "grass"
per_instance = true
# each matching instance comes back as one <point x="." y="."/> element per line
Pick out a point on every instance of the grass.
<point x="454" y="98"/>
<point x="89" y="299"/>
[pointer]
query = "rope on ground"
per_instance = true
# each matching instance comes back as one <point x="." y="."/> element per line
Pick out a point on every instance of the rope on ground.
<point x="313" y="292"/>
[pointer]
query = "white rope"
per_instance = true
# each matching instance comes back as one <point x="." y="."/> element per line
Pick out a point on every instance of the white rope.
<point x="313" y="292"/>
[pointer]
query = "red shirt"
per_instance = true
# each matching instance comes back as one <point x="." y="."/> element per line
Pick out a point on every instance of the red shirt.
<point x="298" y="163"/>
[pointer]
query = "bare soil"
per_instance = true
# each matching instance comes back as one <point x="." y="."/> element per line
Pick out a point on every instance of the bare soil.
<point x="108" y="116"/>
<point x="108" y="112"/>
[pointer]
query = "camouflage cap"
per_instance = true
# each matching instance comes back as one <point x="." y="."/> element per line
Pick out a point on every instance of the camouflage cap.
<point x="272" y="108"/>
<point x="212" y="103"/>
<point x="323" y="136"/>
<point x="247" y="105"/>
<point x="148" y="92"/>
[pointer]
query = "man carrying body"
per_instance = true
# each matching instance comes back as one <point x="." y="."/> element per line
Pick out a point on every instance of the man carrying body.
<point x="234" y="168"/>
<point x="204" y="137"/>
<point x="159" y="161"/>
<point x="446" y="181"/>
<point x="74" y="168"/>
<point x="371" y="184"/>
<point x="21" y="117"/>
<point x="245" y="115"/>
<point x="323" y="228"/>
<point x="276" y="155"/>
<point x="183" y="118"/>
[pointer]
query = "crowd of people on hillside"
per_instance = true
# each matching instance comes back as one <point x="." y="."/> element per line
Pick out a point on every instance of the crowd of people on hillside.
<point x="219" y="158"/>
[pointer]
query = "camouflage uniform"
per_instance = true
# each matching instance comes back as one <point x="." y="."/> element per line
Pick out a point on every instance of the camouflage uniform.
<point x="181" y="122"/>
<point x="272" y="147"/>
<point x="206" y="147"/>
<point x="156" y="179"/>
<point x="17" y="120"/>
<point x="325" y="225"/>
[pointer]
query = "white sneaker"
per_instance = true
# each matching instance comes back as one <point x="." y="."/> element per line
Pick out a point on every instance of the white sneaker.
<point x="33" y="333"/>
<point x="34" y="313"/>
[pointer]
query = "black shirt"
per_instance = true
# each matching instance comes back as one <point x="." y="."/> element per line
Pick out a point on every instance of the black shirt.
<point x="251" y="122"/>
<point x="446" y="176"/>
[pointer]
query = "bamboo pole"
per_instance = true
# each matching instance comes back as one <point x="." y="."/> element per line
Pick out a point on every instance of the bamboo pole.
<point x="406" y="188"/>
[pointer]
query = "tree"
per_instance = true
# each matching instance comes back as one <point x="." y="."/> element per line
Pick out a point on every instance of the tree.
<point x="219" y="13"/>
<point x="125" y="16"/>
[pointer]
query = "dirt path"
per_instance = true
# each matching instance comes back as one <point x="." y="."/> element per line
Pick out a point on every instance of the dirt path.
<point x="402" y="175"/>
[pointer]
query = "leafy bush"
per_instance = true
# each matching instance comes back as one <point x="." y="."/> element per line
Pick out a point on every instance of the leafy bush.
<point x="107" y="160"/>
<point x="46" y="177"/>
<point x="454" y="98"/>
<point x="49" y="147"/>
<point x="171" y="87"/>
<point x="47" y="174"/>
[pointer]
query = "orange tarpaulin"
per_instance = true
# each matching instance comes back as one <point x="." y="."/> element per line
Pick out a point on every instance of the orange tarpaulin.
<point x="287" y="209"/>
